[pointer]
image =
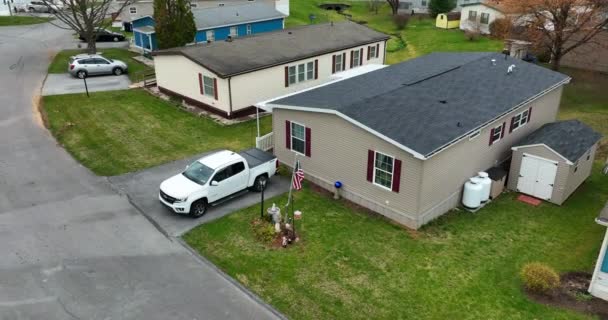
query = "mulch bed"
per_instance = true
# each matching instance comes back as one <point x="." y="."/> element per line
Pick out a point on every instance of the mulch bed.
<point x="572" y="294"/>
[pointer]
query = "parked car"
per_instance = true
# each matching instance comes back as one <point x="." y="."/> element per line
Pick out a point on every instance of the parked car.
<point x="84" y="65"/>
<point x="104" y="35"/>
<point x="42" y="7"/>
<point x="215" y="178"/>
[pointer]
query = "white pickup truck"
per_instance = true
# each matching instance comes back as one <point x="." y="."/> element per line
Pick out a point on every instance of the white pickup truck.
<point x="216" y="177"/>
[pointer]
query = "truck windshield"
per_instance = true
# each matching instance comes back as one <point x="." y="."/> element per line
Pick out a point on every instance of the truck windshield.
<point x="198" y="173"/>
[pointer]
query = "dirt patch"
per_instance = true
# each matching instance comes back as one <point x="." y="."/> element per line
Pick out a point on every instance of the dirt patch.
<point x="572" y="294"/>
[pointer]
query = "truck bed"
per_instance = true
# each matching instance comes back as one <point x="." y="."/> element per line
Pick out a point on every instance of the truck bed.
<point x="256" y="157"/>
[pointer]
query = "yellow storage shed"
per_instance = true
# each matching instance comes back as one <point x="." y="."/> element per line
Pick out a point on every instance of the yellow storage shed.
<point x="448" y="20"/>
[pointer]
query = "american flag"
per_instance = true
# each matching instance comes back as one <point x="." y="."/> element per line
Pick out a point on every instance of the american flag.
<point x="298" y="176"/>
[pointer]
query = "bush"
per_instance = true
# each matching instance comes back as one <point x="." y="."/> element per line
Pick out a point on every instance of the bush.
<point x="500" y="28"/>
<point x="539" y="277"/>
<point x="263" y="230"/>
<point x="472" y="35"/>
<point x="401" y="21"/>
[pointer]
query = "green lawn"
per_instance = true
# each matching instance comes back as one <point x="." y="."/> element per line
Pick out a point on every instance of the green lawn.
<point x="22" y="20"/>
<point x="60" y="62"/>
<point x="351" y="265"/>
<point x="421" y="35"/>
<point x="121" y="131"/>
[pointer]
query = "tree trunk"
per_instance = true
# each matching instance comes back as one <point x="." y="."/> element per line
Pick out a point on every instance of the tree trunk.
<point x="395" y="9"/>
<point x="91" y="45"/>
<point x="556" y="63"/>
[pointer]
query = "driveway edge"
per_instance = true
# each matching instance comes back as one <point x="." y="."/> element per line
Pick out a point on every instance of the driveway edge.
<point x="237" y="284"/>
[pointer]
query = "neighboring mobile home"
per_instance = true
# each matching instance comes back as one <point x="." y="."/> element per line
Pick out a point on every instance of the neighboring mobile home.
<point x="217" y="24"/>
<point x="478" y="16"/>
<point x="404" y="139"/>
<point x="599" y="282"/>
<point x="230" y="77"/>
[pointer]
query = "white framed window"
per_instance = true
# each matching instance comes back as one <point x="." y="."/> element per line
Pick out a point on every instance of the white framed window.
<point x="372" y="52"/>
<point x="356" y="58"/>
<point x="519" y="120"/>
<point x="474" y="134"/>
<point x="485" y="18"/>
<point x="249" y="30"/>
<point x="384" y="166"/>
<point x="209" y="86"/>
<point x="338" y="63"/>
<point x="234" y="32"/>
<point x="133" y="10"/>
<point x="472" y="15"/>
<point x="298" y="138"/>
<point x="210" y="35"/>
<point x="193" y="5"/>
<point x="496" y="134"/>
<point x="301" y="72"/>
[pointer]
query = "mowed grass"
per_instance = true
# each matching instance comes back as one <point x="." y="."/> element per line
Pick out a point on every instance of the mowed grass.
<point x="421" y="36"/>
<point x="117" y="132"/>
<point x="22" y="20"/>
<point x="60" y="62"/>
<point x="351" y="265"/>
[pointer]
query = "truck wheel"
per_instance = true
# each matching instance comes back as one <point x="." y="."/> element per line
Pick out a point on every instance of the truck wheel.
<point x="260" y="183"/>
<point x="199" y="208"/>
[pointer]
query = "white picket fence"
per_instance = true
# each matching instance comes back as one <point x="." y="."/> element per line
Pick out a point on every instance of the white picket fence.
<point x="265" y="142"/>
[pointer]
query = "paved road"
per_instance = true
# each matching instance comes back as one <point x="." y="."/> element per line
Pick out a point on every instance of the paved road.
<point x="70" y="247"/>
<point x="142" y="188"/>
<point x="64" y="83"/>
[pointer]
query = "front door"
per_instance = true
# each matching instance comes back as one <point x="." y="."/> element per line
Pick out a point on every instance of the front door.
<point x="537" y="176"/>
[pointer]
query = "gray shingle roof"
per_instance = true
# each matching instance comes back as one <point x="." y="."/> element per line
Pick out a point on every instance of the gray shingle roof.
<point x="234" y="14"/>
<point x="264" y="50"/>
<point x="429" y="102"/>
<point x="570" y="138"/>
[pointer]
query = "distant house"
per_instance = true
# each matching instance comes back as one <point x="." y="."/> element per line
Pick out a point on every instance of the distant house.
<point x="478" y="16"/>
<point x="404" y="139"/>
<point x="448" y="20"/>
<point x="422" y="6"/>
<point x="217" y="24"/>
<point x="230" y="77"/>
<point x="590" y="56"/>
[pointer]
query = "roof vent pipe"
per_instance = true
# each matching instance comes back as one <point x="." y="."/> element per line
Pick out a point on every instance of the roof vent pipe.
<point x="493" y="62"/>
<point x="511" y="69"/>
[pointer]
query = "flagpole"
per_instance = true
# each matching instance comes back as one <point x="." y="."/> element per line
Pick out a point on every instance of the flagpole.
<point x="295" y="163"/>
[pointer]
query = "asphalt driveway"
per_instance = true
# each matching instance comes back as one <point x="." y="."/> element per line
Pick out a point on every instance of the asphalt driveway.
<point x="142" y="189"/>
<point x="64" y="83"/>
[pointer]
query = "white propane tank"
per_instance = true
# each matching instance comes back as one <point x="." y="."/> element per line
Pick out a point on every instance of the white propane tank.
<point x="486" y="184"/>
<point x="471" y="197"/>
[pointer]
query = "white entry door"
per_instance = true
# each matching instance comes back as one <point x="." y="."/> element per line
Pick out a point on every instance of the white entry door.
<point x="537" y="176"/>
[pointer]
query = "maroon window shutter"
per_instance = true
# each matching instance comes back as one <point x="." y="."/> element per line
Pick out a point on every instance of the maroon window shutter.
<point x="343" y="61"/>
<point x="316" y="69"/>
<point x="286" y="77"/>
<point x="502" y="133"/>
<point x="307" y="152"/>
<point x="370" y="165"/>
<point x="368" y="52"/>
<point x="361" y="57"/>
<point x="352" y="56"/>
<point x="529" y="114"/>
<point x="397" y="175"/>
<point x="377" y="50"/>
<point x="288" y="134"/>
<point x="200" y="83"/>
<point x="512" y="122"/>
<point x="491" y="135"/>
<point x="215" y="88"/>
<point x="333" y="64"/>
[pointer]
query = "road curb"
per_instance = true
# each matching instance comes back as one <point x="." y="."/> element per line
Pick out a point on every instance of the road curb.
<point x="237" y="284"/>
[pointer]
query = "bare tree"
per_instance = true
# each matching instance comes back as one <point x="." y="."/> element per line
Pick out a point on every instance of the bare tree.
<point x="85" y="17"/>
<point x="374" y="5"/>
<point x="394" y="5"/>
<point x="560" y="26"/>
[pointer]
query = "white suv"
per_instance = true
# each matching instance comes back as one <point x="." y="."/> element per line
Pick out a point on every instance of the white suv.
<point x="84" y="65"/>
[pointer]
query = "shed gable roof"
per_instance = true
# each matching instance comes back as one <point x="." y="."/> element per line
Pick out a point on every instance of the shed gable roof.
<point x="428" y="103"/>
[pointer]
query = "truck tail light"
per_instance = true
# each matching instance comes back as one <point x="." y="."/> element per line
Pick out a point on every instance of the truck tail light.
<point x="71" y="67"/>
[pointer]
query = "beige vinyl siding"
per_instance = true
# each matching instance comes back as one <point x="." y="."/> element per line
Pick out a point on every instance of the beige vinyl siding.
<point x="180" y="75"/>
<point x="339" y="152"/>
<point x="575" y="179"/>
<point x="445" y="173"/>
<point x="258" y="86"/>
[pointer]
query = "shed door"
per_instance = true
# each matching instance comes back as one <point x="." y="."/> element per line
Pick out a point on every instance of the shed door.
<point x="537" y="176"/>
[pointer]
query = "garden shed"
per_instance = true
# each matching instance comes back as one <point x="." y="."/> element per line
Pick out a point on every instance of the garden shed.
<point x="554" y="160"/>
<point x="448" y="20"/>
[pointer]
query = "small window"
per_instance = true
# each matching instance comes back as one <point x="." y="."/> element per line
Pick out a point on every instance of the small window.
<point x="485" y="18"/>
<point x="133" y="10"/>
<point x="423" y="3"/>
<point x="100" y="61"/>
<point x="298" y="138"/>
<point x="519" y="120"/>
<point x="356" y="58"/>
<point x="474" y="134"/>
<point x="222" y="175"/>
<point x="301" y="72"/>
<point x="372" y="52"/>
<point x="473" y="15"/>
<point x="210" y="35"/>
<point x="310" y="70"/>
<point x="249" y="29"/>
<point x="339" y="64"/>
<point x="209" y="86"/>
<point x="193" y="5"/>
<point x="292" y="75"/>
<point x="220" y="5"/>
<point x="237" y="168"/>
<point x="496" y="134"/>
<point x="383" y="170"/>
<point x="588" y="156"/>
<point x="575" y="168"/>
